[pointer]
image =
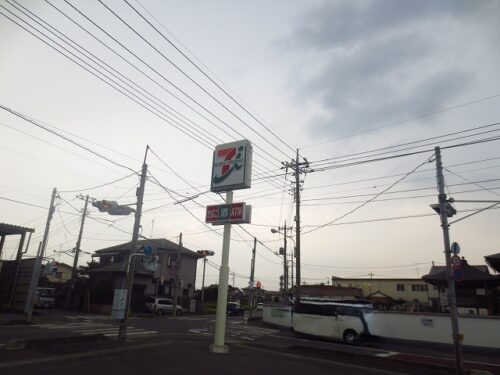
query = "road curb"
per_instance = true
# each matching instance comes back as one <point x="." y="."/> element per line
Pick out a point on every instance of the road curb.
<point x="20" y="344"/>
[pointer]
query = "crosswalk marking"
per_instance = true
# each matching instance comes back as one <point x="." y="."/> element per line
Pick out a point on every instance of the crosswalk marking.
<point x="89" y="328"/>
<point x="236" y="330"/>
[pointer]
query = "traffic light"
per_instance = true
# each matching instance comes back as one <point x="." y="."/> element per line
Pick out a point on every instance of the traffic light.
<point x="112" y="207"/>
<point x="205" y="253"/>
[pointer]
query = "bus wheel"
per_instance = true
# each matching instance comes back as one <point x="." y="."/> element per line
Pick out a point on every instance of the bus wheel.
<point x="351" y="337"/>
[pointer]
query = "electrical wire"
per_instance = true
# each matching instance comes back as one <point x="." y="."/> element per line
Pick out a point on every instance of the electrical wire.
<point x="211" y="80"/>
<point x="369" y="200"/>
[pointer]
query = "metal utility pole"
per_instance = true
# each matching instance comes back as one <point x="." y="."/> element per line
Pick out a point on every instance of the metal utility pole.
<point x="220" y="319"/>
<point x="122" y="334"/>
<point x="77" y="251"/>
<point x="177" y="281"/>
<point x="252" y="273"/>
<point x="38" y="263"/>
<point x="457" y="337"/>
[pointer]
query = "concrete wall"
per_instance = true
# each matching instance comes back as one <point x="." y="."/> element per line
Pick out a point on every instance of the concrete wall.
<point x="436" y="328"/>
<point x="477" y="331"/>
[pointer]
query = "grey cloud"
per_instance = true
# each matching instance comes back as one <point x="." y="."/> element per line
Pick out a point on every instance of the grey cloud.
<point x="372" y="63"/>
<point x="335" y="23"/>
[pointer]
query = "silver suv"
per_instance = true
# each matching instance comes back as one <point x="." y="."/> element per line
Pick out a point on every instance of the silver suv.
<point x="161" y="305"/>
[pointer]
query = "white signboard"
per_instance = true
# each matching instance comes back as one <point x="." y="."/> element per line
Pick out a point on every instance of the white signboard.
<point x="119" y="304"/>
<point x="232" y="166"/>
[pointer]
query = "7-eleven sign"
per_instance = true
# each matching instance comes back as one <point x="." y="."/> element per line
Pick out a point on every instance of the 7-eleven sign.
<point x="232" y="166"/>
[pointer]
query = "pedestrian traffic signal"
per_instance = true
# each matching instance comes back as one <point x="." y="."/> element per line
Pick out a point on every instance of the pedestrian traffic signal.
<point x="112" y="207"/>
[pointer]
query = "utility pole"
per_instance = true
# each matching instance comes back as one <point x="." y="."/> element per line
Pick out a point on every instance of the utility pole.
<point x="457" y="337"/>
<point x="77" y="252"/>
<point x="177" y="281"/>
<point x="38" y="263"/>
<point x="252" y="273"/>
<point x="203" y="280"/>
<point x="285" y="267"/>
<point x="122" y="334"/>
<point x="234" y="276"/>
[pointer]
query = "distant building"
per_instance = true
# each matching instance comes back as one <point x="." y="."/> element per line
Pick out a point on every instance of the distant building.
<point x="410" y="292"/>
<point x="56" y="272"/>
<point x="110" y="273"/>
<point x="331" y="292"/>
<point x="476" y="289"/>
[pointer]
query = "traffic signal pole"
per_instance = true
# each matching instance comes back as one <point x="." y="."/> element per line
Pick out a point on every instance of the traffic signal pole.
<point x="452" y="303"/>
<point x="122" y="334"/>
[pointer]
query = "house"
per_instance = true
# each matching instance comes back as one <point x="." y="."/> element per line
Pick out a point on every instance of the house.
<point x="412" y="292"/>
<point x="475" y="289"/>
<point x="56" y="272"/>
<point x="110" y="273"/>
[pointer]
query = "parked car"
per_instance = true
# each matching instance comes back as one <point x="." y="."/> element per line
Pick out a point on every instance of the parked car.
<point x="260" y="306"/>
<point x="45" y="297"/>
<point x="161" y="305"/>
<point x="234" y="309"/>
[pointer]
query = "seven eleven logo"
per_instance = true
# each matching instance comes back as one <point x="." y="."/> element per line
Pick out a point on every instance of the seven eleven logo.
<point x="228" y="160"/>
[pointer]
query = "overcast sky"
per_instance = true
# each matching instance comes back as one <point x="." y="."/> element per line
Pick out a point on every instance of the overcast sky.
<point x="332" y="78"/>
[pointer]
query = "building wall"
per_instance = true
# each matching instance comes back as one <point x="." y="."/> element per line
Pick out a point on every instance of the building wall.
<point x="62" y="274"/>
<point x="407" y="289"/>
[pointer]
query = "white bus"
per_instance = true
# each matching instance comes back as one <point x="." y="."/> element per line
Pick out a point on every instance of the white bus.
<point x="337" y="320"/>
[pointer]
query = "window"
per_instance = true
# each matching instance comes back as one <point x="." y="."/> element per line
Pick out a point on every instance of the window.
<point x="400" y="287"/>
<point x="419" y="288"/>
<point x="58" y="275"/>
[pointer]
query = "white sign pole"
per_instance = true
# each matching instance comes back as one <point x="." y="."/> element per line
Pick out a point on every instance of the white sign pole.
<point x="220" y="319"/>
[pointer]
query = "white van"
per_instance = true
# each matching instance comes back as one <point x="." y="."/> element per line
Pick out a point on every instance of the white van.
<point x="335" y="320"/>
<point x="45" y="297"/>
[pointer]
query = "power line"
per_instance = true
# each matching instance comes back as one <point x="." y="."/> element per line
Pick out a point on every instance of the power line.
<point x="38" y="124"/>
<point x="211" y="80"/>
<point x="164" y="78"/>
<point x="130" y="94"/>
<point x="371" y="199"/>
<point x="410" y="119"/>
<point x="350" y="158"/>
<point x="99" y="186"/>
<point x="190" y="78"/>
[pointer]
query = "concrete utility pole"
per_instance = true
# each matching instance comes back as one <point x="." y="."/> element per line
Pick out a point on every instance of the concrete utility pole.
<point x="177" y="281"/>
<point x="298" y="168"/>
<point x="77" y="251"/>
<point x="252" y="273"/>
<point x="457" y="337"/>
<point x="122" y="334"/>
<point x="203" y="280"/>
<point x="38" y="263"/>
<point x="285" y="270"/>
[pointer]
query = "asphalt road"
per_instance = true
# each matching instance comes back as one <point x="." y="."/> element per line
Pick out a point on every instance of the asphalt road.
<point x="181" y="345"/>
